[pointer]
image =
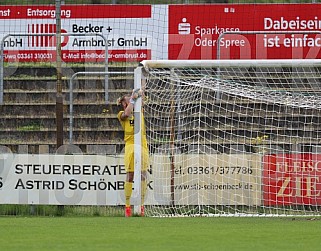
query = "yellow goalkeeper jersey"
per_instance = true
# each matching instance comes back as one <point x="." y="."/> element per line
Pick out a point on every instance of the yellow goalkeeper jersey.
<point x="128" y="127"/>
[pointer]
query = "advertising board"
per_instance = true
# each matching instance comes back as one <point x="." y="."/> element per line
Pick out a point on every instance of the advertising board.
<point x="195" y="31"/>
<point x="99" y="180"/>
<point x="140" y="32"/>
<point x="292" y="179"/>
<point x="125" y="28"/>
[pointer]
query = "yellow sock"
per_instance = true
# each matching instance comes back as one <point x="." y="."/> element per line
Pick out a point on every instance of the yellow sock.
<point x="128" y="192"/>
<point x="144" y="189"/>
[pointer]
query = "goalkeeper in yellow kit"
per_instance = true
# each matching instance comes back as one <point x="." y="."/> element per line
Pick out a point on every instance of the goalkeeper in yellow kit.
<point x="126" y="119"/>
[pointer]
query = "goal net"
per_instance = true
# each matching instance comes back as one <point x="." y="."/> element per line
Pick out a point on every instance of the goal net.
<point x="233" y="137"/>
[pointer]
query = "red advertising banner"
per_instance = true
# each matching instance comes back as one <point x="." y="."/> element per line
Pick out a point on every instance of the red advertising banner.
<point x="89" y="56"/>
<point x="283" y="31"/>
<point x="292" y="179"/>
<point x="74" y="11"/>
<point x="205" y="31"/>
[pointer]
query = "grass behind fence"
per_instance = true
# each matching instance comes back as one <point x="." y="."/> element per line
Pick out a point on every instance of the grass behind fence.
<point x="50" y="210"/>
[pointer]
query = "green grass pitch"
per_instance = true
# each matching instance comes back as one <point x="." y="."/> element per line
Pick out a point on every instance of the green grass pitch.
<point x="137" y="233"/>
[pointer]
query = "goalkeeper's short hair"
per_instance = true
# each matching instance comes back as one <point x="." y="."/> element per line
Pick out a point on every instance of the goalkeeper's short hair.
<point x="122" y="98"/>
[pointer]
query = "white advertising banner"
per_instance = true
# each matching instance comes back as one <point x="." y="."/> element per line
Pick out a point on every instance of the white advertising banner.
<point x="218" y="179"/>
<point x="61" y="179"/>
<point x="128" y="29"/>
<point x="99" y="180"/>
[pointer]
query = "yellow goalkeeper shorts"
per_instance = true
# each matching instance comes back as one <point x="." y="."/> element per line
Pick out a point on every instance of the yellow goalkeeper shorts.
<point x="130" y="161"/>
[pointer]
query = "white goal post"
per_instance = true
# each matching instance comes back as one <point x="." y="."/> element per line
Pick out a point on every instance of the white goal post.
<point x="232" y="137"/>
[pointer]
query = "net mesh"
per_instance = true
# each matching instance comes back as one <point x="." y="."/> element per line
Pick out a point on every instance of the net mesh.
<point x="234" y="140"/>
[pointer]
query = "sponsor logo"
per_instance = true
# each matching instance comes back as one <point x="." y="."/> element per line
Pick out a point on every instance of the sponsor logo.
<point x="184" y="28"/>
<point x="44" y="41"/>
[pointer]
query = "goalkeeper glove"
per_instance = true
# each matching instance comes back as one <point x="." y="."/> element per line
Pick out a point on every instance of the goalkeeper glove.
<point x="132" y="101"/>
<point x="137" y="93"/>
